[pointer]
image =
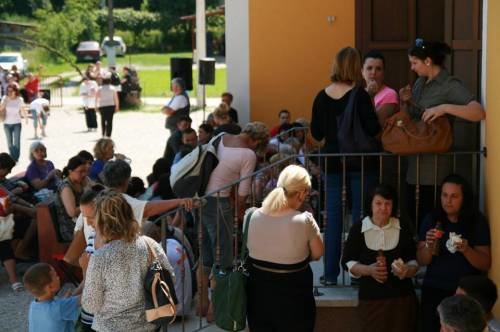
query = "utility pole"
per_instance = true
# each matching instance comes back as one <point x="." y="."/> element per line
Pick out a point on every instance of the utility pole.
<point x="110" y="44"/>
<point x="201" y="45"/>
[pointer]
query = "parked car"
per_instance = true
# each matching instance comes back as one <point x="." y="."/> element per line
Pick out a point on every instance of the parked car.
<point x="120" y="48"/>
<point x="9" y="59"/>
<point x="88" y="51"/>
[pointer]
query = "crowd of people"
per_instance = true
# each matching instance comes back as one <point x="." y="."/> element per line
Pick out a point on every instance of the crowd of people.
<point x="108" y="217"/>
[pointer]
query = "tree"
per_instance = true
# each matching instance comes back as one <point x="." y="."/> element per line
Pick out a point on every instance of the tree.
<point x="63" y="30"/>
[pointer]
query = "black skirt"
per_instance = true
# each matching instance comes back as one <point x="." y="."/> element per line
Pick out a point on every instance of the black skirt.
<point x="280" y="301"/>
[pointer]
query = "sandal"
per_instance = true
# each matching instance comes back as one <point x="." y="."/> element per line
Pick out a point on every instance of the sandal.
<point x="17" y="287"/>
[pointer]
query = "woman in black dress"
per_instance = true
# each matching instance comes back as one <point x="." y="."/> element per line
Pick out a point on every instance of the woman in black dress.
<point x="380" y="251"/>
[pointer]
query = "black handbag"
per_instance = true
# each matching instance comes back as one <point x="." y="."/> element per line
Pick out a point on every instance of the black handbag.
<point x="159" y="290"/>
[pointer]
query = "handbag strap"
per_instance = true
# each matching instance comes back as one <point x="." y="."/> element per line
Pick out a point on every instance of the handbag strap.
<point x="151" y="252"/>
<point x="243" y="253"/>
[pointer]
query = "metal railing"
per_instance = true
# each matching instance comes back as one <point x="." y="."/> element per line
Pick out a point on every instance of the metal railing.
<point x="386" y="167"/>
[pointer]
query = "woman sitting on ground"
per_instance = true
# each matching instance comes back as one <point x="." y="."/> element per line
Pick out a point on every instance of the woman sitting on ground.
<point x="41" y="172"/>
<point x="104" y="150"/>
<point x="381" y="252"/>
<point x="281" y="242"/>
<point x="114" y="278"/>
<point x="67" y="199"/>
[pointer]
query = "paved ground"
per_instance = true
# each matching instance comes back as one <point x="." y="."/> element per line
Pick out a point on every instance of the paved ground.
<point x="140" y="136"/>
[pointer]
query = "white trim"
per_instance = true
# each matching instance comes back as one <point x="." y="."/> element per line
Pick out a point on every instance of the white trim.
<point x="238" y="56"/>
<point x="484" y="73"/>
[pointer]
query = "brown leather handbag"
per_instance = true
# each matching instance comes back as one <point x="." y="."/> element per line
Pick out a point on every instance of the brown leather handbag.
<point x="403" y="136"/>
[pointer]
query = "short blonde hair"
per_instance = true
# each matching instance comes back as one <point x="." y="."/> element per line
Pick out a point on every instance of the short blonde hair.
<point x="114" y="217"/>
<point x="101" y="146"/>
<point x="221" y="112"/>
<point x="292" y="180"/>
<point x="347" y="66"/>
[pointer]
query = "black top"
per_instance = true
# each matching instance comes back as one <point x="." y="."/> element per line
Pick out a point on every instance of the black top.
<point x="369" y="288"/>
<point x="446" y="269"/>
<point x="230" y="128"/>
<point x="174" y="143"/>
<point x="325" y="112"/>
<point x="233" y="114"/>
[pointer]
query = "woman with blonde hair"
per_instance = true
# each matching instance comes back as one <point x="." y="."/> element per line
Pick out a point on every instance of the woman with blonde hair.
<point x="224" y="122"/>
<point x="114" y="278"/>
<point x="281" y="242"/>
<point x="104" y="151"/>
<point x="328" y="108"/>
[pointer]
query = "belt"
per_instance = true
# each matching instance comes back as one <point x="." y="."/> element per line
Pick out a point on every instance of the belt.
<point x="278" y="270"/>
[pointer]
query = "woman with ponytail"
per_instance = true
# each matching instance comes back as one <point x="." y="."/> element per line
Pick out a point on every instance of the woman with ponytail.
<point x="281" y="242"/>
<point x="68" y="194"/>
<point x="435" y="94"/>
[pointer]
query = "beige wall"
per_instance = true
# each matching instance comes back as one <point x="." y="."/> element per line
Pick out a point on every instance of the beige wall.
<point x="492" y="138"/>
<point x="291" y="47"/>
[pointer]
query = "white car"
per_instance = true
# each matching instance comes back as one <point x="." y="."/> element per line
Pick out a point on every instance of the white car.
<point x="121" y="48"/>
<point x="8" y="59"/>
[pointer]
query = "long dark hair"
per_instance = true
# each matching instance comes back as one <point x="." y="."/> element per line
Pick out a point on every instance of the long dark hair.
<point x="468" y="211"/>
<point x="73" y="164"/>
<point x="436" y="51"/>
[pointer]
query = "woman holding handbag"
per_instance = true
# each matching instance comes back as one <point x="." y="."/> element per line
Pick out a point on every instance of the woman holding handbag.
<point x="435" y="94"/>
<point x="12" y="111"/>
<point x="330" y="106"/>
<point x="281" y="242"/>
<point x="114" y="279"/>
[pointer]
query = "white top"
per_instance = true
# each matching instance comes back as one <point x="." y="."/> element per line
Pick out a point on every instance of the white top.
<point x="107" y="93"/>
<point x="177" y="102"/>
<point x="380" y="238"/>
<point x="182" y="270"/>
<point x="12" y="110"/>
<point x="137" y="207"/>
<point x="88" y="91"/>
<point x="38" y="104"/>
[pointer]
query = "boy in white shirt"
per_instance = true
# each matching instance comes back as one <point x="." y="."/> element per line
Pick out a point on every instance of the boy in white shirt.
<point x="40" y="110"/>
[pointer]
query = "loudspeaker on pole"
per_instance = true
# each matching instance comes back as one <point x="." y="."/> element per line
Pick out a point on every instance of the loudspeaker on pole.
<point x="206" y="71"/>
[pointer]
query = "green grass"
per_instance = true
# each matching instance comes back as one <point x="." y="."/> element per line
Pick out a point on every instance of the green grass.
<point x="148" y="59"/>
<point x="156" y="83"/>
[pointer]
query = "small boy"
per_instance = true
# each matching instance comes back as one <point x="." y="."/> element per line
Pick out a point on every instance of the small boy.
<point x="40" y="110"/>
<point x="47" y="313"/>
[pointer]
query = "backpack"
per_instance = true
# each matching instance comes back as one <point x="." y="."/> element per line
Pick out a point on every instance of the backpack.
<point x="351" y="135"/>
<point x="190" y="175"/>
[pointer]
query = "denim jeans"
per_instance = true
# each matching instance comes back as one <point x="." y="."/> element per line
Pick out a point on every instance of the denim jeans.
<point x="221" y="238"/>
<point x="13" y="134"/>
<point x="43" y="115"/>
<point x="334" y="224"/>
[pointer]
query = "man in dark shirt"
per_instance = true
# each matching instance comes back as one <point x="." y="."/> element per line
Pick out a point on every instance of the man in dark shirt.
<point x="227" y="98"/>
<point x="175" y="141"/>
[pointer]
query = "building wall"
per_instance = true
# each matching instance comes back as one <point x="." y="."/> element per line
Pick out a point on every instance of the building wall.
<point x="238" y="81"/>
<point x="492" y="140"/>
<point x="291" y="47"/>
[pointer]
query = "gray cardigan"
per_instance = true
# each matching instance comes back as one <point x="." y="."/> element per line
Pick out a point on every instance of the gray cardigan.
<point x="114" y="290"/>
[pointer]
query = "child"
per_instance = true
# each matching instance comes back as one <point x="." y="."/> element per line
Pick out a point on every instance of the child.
<point x="47" y="313"/>
<point x="40" y="111"/>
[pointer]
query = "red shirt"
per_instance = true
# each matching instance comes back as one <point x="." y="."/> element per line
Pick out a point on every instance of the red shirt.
<point x="32" y="86"/>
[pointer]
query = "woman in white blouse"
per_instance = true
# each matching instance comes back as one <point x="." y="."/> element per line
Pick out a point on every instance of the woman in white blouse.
<point x="12" y="110"/>
<point x="381" y="252"/>
<point x="281" y="242"/>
